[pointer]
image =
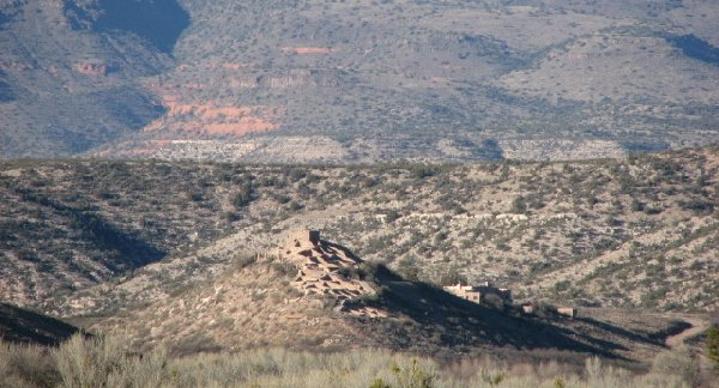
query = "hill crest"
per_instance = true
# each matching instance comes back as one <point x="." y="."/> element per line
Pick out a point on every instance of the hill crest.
<point x="328" y="269"/>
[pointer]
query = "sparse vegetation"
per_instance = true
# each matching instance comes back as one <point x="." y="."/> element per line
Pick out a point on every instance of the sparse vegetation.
<point x="245" y="195"/>
<point x="170" y="269"/>
<point x="712" y="345"/>
<point x="459" y="217"/>
<point x="677" y="362"/>
<point x="105" y="362"/>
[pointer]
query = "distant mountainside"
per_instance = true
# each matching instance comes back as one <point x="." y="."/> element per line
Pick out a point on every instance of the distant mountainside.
<point x="325" y="81"/>
<point x="636" y="233"/>
<point x="70" y="79"/>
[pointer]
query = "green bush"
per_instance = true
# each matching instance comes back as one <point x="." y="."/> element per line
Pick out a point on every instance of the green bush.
<point x="519" y="205"/>
<point x="244" y="196"/>
<point x="712" y="345"/>
<point x="105" y="362"/>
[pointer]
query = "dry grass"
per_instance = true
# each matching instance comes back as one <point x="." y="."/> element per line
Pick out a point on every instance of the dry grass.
<point x="26" y="366"/>
<point x="104" y="362"/>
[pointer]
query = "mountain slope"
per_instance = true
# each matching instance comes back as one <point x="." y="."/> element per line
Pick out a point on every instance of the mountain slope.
<point x="431" y="80"/>
<point x="635" y="233"/>
<point x="70" y="74"/>
<point x="92" y="224"/>
<point x="434" y="80"/>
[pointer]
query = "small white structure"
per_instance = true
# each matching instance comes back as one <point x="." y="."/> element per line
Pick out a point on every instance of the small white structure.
<point x="570" y="312"/>
<point x="477" y="294"/>
<point x="528" y="308"/>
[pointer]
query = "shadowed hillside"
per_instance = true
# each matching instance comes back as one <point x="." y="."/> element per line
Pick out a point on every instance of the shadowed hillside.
<point x="18" y="325"/>
<point x="159" y="22"/>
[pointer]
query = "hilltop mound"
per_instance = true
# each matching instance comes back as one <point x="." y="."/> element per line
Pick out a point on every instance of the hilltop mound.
<point x="328" y="269"/>
<point x="316" y="294"/>
<point x="19" y="325"/>
<point x="290" y="300"/>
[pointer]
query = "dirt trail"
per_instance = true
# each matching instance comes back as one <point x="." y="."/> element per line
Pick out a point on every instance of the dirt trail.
<point x="698" y="326"/>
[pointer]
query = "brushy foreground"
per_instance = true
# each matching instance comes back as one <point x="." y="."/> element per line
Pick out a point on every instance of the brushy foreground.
<point x="104" y="362"/>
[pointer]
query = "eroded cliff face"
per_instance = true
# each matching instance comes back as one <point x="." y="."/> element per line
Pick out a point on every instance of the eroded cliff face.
<point x="212" y="118"/>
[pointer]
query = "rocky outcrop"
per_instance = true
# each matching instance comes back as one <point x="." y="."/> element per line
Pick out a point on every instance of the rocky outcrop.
<point x="91" y="68"/>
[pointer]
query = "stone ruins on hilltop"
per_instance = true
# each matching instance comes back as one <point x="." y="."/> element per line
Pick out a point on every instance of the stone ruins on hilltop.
<point x="327" y="269"/>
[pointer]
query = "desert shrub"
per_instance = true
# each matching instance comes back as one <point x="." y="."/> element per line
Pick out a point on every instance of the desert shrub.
<point x="561" y="286"/>
<point x="494" y="301"/>
<point x="712" y="345"/>
<point x="379" y="383"/>
<point x="367" y="270"/>
<point x="698" y="206"/>
<point x="637" y="205"/>
<point x="244" y="196"/>
<point x="26" y="366"/>
<point x="413" y="375"/>
<point x="679" y="363"/>
<point x="377" y="244"/>
<point x="452" y="276"/>
<point x="280" y="198"/>
<point x="363" y="271"/>
<point x="295" y="206"/>
<point x="408" y="268"/>
<point x="545" y="310"/>
<point x="421" y="171"/>
<point x="492" y="379"/>
<point x="244" y="260"/>
<point x="391" y="216"/>
<point x="297" y="174"/>
<point x="88" y="365"/>
<point x="285" y="267"/>
<point x="196" y="196"/>
<point x="519" y="205"/>
<point x="105" y="362"/>
<point x="232" y="216"/>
